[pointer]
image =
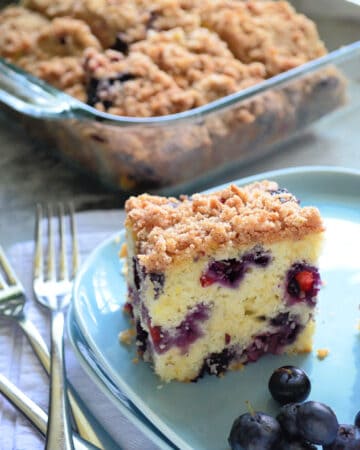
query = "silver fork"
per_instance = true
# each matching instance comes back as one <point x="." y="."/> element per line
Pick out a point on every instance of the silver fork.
<point x="55" y="294"/>
<point x="12" y="300"/>
<point x="34" y="413"/>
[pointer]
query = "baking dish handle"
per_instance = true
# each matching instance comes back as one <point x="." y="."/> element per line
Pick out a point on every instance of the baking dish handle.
<point x="31" y="96"/>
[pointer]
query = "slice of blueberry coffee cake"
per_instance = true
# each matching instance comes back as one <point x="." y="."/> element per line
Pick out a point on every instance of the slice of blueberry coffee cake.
<point x="218" y="280"/>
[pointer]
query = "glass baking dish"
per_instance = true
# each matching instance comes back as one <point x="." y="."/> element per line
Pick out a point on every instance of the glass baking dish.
<point x="185" y="151"/>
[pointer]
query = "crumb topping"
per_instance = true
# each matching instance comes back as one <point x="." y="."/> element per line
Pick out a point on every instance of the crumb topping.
<point x="180" y="54"/>
<point x="268" y="32"/>
<point x="168" y="228"/>
<point x="322" y="353"/>
<point x="127" y="336"/>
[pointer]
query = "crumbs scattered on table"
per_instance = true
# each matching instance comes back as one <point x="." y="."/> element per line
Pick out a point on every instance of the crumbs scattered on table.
<point x="135" y="360"/>
<point x="159" y="386"/>
<point x="322" y="353"/>
<point x="127" y="336"/>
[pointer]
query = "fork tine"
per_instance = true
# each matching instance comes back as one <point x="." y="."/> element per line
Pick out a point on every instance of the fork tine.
<point x="75" y="244"/>
<point x="3" y="282"/>
<point x="63" y="269"/>
<point x="51" y="271"/>
<point x="38" y="259"/>
<point x="8" y="270"/>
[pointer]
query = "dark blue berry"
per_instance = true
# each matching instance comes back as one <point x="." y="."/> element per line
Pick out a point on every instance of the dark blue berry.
<point x="230" y="272"/>
<point x="138" y="272"/>
<point x="317" y="423"/>
<point x="216" y="363"/>
<point x="285" y="444"/>
<point x="99" y="89"/>
<point x="280" y="320"/>
<point x="348" y="438"/>
<point x="120" y="44"/>
<point x="158" y="280"/>
<point x="287" y="420"/>
<point x="289" y="384"/>
<point x="182" y="336"/>
<point x="141" y="338"/>
<point x="257" y="431"/>
<point x="272" y="342"/>
<point x="227" y="272"/>
<point x="357" y="420"/>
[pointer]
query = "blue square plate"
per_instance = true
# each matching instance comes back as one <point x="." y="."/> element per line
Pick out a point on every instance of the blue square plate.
<point x="199" y="415"/>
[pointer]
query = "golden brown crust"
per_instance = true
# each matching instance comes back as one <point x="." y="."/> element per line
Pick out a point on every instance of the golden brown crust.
<point x="170" y="72"/>
<point x="65" y="73"/>
<point x="269" y="32"/>
<point x="191" y="52"/>
<point x="19" y="28"/>
<point x="168" y="228"/>
<point x="65" y="36"/>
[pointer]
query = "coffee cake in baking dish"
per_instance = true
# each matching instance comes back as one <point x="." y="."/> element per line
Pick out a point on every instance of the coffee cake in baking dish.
<point x="217" y="280"/>
<point x="147" y="59"/>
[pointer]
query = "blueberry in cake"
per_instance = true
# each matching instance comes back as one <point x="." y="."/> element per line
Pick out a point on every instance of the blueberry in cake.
<point x="217" y="280"/>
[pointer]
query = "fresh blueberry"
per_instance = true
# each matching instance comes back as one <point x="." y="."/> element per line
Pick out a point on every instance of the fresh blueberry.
<point x="287" y="418"/>
<point x="348" y="438"/>
<point x="254" y="431"/>
<point x="289" y="384"/>
<point x="317" y="423"/>
<point x="285" y="444"/>
<point x="357" y="420"/>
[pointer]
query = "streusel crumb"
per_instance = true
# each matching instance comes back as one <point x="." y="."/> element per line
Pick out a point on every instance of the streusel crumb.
<point x="190" y="52"/>
<point x="322" y="353"/>
<point x="269" y="32"/>
<point x="168" y="228"/>
<point x="127" y="336"/>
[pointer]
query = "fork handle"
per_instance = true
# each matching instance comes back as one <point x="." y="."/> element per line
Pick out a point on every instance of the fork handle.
<point x="36" y="341"/>
<point x="80" y="414"/>
<point x="59" y="430"/>
<point x="33" y="412"/>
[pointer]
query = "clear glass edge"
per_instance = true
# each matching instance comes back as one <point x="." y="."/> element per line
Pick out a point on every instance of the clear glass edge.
<point x="78" y="109"/>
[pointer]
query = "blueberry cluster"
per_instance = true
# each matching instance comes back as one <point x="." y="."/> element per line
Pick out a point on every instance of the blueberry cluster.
<point x="230" y="272"/>
<point x="298" y="426"/>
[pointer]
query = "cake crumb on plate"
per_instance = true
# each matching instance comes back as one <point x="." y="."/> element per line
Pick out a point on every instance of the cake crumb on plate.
<point x="127" y="336"/>
<point x="322" y="353"/>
